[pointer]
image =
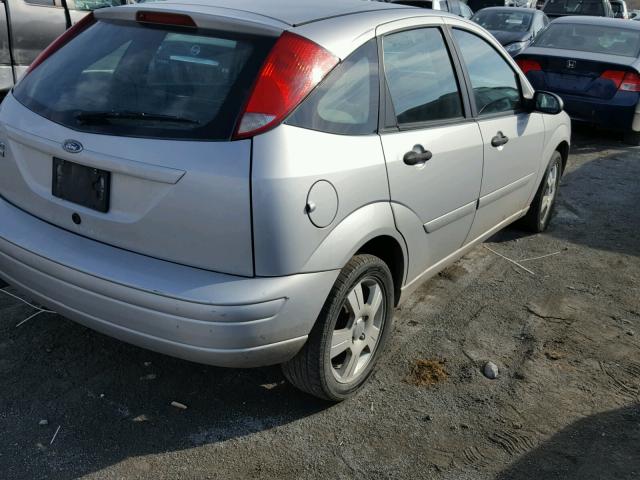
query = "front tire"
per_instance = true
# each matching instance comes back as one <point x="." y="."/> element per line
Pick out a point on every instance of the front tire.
<point x="537" y="218"/>
<point x="350" y="333"/>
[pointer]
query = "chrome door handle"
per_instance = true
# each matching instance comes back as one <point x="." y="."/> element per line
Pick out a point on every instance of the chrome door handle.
<point x="499" y="140"/>
<point x="417" y="155"/>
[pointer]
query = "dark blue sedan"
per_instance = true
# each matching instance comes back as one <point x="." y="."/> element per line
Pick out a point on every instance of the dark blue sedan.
<point x="593" y="64"/>
<point x="513" y="27"/>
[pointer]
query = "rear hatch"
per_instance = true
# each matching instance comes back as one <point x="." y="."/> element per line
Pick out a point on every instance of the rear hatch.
<point x="124" y="134"/>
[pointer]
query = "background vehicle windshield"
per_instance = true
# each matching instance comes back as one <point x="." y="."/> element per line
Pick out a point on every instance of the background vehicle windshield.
<point x="133" y="80"/>
<point x="591" y="38"/>
<point x="575" y="7"/>
<point x="504" y="21"/>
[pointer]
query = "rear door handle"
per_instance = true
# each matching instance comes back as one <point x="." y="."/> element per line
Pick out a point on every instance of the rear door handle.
<point x="499" y="140"/>
<point x="417" y="155"/>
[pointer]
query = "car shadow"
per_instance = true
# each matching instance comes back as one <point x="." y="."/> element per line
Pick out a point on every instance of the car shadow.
<point x="602" y="446"/>
<point x="113" y="401"/>
<point x="599" y="199"/>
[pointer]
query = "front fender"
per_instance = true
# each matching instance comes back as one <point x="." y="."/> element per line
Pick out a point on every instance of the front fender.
<point x="559" y="130"/>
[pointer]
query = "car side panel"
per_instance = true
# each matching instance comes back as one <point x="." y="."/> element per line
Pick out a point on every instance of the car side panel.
<point x="287" y="162"/>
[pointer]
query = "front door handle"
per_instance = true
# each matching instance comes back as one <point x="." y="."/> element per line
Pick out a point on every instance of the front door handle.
<point x="499" y="140"/>
<point x="417" y="156"/>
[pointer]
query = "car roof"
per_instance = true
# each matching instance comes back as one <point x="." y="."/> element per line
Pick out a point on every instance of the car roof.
<point x="290" y="12"/>
<point x="600" y="21"/>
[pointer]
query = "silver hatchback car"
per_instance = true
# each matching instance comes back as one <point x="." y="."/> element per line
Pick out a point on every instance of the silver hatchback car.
<point x="244" y="183"/>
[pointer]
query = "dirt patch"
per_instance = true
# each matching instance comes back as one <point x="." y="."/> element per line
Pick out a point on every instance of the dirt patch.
<point x="426" y="373"/>
<point x="454" y="272"/>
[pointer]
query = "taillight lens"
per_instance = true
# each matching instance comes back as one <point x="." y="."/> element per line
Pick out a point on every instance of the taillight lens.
<point x="626" y="81"/>
<point x="166" y="18"/>
<point x="62" y="40"/>
<point x="293" y="68"/>
<point x="527" y="65"/>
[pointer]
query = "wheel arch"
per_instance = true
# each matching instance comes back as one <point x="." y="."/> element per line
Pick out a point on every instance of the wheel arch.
<point x="370" y="229"/>
<point x="390" y="252"/>
<point x="563" y="149"/>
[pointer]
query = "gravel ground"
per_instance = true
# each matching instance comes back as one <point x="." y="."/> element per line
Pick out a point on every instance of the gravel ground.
<point x="565" y="405"/>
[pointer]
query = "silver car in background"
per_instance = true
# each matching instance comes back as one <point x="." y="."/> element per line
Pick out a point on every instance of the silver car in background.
<point x="244" y="184"/>
<point x="28" y="26"/>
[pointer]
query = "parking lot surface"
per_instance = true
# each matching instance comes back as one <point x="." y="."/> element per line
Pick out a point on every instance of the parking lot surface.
<point x="564" y="333"/>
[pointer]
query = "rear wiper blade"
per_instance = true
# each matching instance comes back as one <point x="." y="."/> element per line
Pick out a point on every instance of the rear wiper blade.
<point x="90" y="117"/>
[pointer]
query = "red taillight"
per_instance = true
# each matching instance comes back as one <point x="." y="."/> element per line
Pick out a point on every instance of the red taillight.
<point x="528" y="65"/>
<point x="626" y="81"/>
<point x="166" y="18"/>
<point x="61" y="41"/>
<point x="292" y="69"/>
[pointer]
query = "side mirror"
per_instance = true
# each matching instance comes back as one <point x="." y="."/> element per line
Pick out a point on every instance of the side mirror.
<point x="547" y="102"/>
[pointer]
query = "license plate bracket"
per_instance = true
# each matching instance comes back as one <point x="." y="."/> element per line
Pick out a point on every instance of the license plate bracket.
<point x="80" y="184"/>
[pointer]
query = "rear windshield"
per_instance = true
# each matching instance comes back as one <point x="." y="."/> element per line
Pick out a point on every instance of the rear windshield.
<point x="505" y="21"/>
<point x="477" y="5"/>
<point x="575" y="7"/>
<point x="127" y="79"/>
<point x="591" y="38"/>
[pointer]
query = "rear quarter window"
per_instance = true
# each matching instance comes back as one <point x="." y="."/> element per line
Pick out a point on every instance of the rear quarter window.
<point x="346" y="102"/>
<point x="126" y="79"/>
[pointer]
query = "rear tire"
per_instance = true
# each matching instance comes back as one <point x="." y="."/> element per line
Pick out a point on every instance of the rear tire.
<point x="632" y="138"/>
<point x="350" y="333"/>
<point x="537" y="218"/>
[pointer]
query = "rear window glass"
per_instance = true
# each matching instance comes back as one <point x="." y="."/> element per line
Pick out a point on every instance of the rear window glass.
<point x="477" y="5"/>
<point x="575" y="7"/>
<point x="504" y="21"/>
<point x="591" y="38"/>
<point x="126" y="79"/>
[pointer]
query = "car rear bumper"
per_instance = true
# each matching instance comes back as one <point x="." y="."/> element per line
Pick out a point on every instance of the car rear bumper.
<point x="185" y="312"/>
<point x="622" y="112"/>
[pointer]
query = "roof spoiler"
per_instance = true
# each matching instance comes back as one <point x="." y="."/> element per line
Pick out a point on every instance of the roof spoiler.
<point x="215" y="18"/>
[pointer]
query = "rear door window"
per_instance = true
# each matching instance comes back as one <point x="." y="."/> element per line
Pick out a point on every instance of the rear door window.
<point x="144" y="81"/>
<point x="420" y="77"/>
<point x="346" y="102"/>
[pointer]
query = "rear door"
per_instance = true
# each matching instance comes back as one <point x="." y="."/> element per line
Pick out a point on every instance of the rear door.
<point x="432" y="147"/>
<point x="129" y="142"/>
<point x="513" y="139"/>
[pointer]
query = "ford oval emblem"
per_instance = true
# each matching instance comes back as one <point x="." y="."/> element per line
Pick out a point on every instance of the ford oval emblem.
<point x="72" y="146"/>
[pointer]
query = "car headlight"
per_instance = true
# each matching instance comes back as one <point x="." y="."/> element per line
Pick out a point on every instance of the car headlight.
<point x="515" y="47"/>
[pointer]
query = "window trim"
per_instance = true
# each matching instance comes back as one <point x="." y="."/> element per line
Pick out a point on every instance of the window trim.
<point x="387" y="110"/>
<point x="472" y="99"/>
